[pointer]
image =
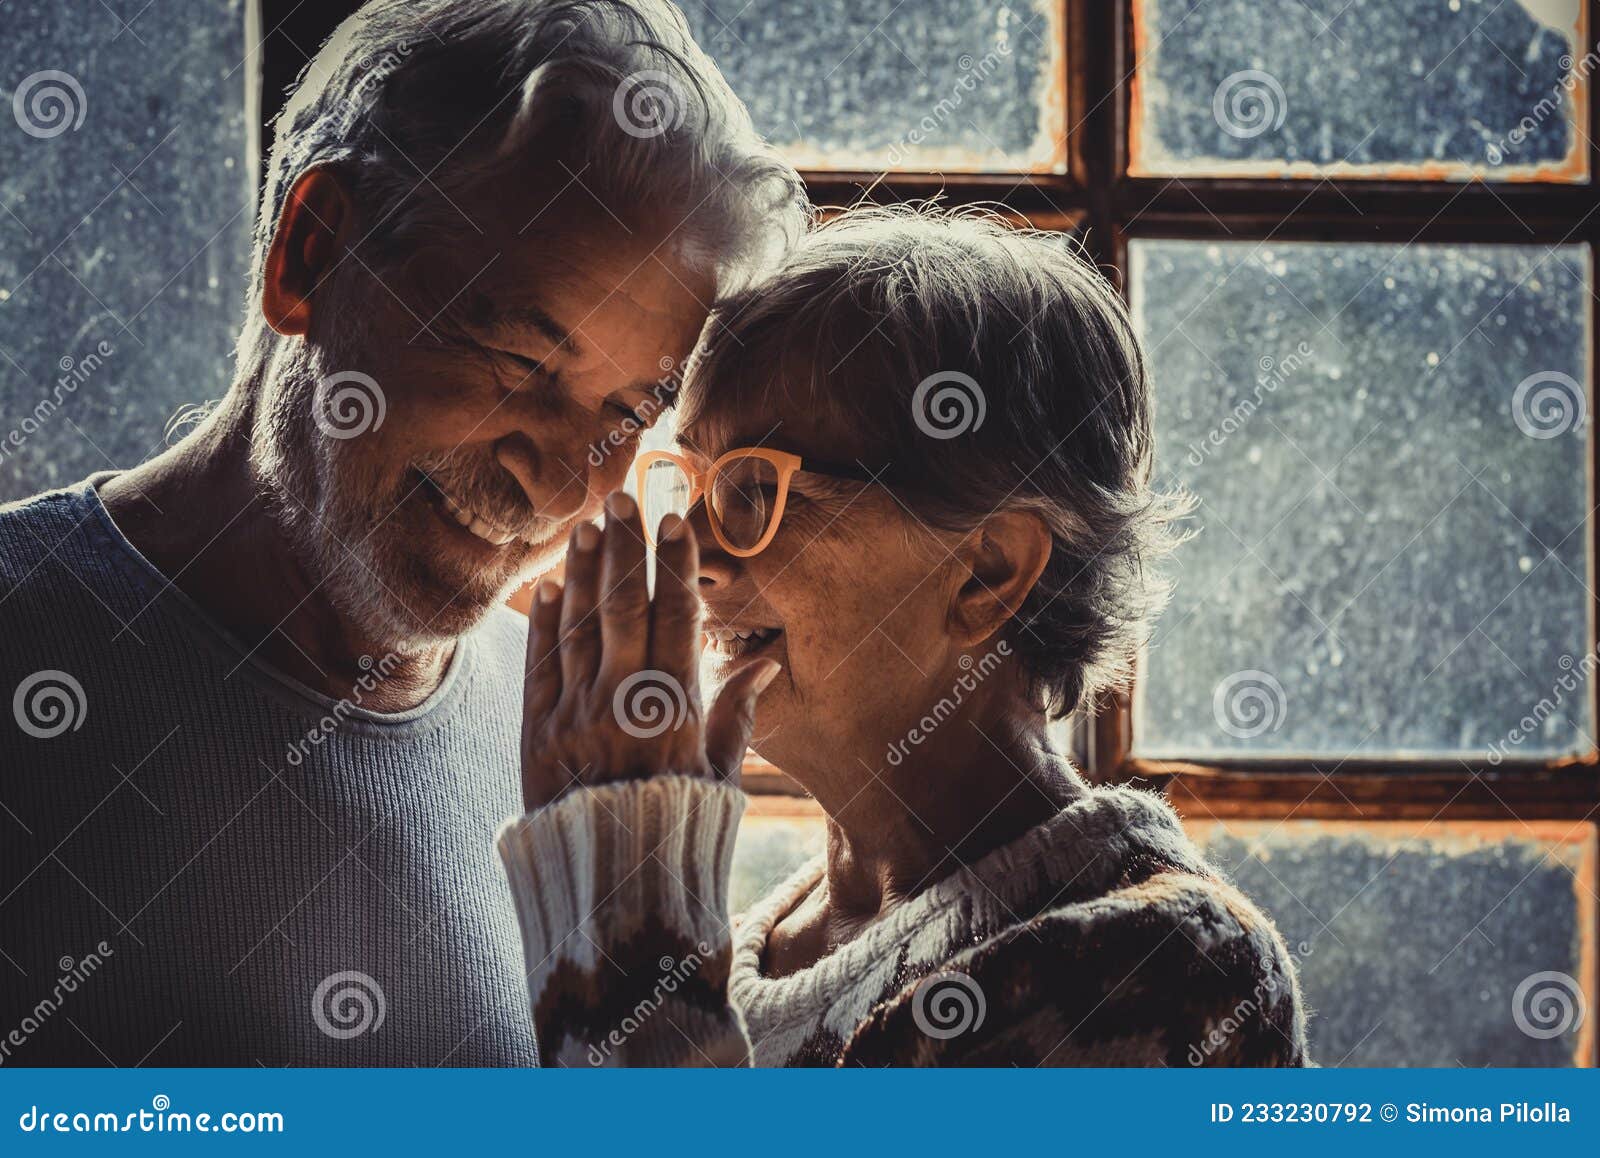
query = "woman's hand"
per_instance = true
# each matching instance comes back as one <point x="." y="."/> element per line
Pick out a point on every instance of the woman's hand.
<point x="612" y="689"/>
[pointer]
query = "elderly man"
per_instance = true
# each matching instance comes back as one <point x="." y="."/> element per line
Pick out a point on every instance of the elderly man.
<point x="266" y="701"/>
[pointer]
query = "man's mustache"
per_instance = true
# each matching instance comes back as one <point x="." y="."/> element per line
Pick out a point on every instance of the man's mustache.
<point x="484" y="487"/>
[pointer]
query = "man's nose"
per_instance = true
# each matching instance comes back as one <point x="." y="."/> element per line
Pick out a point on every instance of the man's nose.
<point x="554" y="476"/>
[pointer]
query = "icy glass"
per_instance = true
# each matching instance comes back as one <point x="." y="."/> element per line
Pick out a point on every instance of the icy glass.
<point x="125" y="209"/>
<point x="768" y="850"/>
<point x="1389" y="444"/>
<point x="962" y="85"/>
<point x="1441" y="90"/>
<point x="1440" y="944"/>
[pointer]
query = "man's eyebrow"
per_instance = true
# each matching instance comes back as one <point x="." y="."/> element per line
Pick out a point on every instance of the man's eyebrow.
<point x="527" y="317"/>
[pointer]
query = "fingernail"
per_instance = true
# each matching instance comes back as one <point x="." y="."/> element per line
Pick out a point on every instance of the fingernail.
<point x="586" y="537"/>
<point x="547" y="592"/>
<point x="671" y="528"/>
<point x="620" y="505"/>
<point x="773" y="667"/>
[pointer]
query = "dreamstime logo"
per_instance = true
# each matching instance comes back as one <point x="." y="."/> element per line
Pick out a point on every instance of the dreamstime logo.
<point x="649" y="103"/>
<point x="973" y="672"/>
<point x="1248" y="103"/>
<point x="947" y="1005"/>
<point x="1547" y="404"/>
<point x="49" y="103"/>
<point x="948" y="404"/>
<point x="1556" y="102"/>
<point x="74" y="373"/>
<point x="1573" y="679"/>
<point x="1273" y="976"/>
<point x="348" y="404"/>
<point x="1249" y="703"/>
<point x="372" y="675"/>
<point x="49" y="703"/>
<point x="973" y="74"/>
<point x="1547" y="1004"/>
<point x="624" y="433"/>
<point x="648" y="703"/>
<point x="1274" y="373"/>
<point x="349" y="1004"/>
<point x="72" y="973"/>
<point x="673" y="974"/>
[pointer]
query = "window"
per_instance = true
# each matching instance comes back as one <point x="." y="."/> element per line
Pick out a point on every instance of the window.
<point x="126" y="204"/>
<point x="1358" y="238"/>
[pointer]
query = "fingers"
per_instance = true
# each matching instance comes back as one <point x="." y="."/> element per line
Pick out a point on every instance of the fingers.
<point x="624" y="597"/>
<point x="542" y="682"/>
<point x="733" y="718"/>
<point x="580" y="627"/>
<point x="541" y="689"/>
<point x="675" y="616"/>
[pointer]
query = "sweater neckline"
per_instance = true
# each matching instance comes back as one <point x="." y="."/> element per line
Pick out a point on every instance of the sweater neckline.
<point x="1081" y="850"/>
<point x="149" y="579"/>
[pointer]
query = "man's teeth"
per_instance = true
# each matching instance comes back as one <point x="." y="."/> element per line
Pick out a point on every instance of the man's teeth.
<point x="474" y="524"/>
<point x="728" y="639"/>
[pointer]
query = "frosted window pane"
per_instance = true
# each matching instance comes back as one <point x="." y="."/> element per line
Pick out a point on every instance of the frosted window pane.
<point x="965" y="85"/>
<point x="129" y="229"/>
<point x="1434" y="945"/>
<point x="1390" y="448"/>
<point x="1370" y="88"/>
<point x="768" y="849"/>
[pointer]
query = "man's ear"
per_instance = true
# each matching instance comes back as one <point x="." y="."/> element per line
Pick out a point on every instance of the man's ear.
<point x="999" y="564"/>
<point x="306" y="244"/>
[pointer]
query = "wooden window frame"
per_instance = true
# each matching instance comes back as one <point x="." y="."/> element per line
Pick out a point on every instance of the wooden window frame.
<point x="1097" y="199"/>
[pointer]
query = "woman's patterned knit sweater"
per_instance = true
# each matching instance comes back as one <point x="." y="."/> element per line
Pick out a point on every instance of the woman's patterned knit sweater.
<point x="1100" y="937"/>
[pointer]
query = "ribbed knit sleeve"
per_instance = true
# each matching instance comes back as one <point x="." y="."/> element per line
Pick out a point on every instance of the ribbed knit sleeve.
<point x="622" y="894"/>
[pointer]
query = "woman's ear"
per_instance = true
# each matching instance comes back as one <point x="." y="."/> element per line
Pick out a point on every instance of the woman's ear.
<point x="999" y="565"/>
<point x="305" y="247"/>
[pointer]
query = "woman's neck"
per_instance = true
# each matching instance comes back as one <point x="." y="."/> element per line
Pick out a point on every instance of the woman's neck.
<point x="948" y="805"/>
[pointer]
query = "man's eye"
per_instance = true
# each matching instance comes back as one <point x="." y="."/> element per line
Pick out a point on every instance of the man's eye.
<point x="526" y="364"/>
<point x="628" y="414"/>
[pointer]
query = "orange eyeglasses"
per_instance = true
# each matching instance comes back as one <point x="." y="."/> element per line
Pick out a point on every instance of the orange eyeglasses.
<point x="748" y="490"/>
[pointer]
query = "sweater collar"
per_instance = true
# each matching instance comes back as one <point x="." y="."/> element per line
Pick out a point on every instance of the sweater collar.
<point x="1082" y="851"/>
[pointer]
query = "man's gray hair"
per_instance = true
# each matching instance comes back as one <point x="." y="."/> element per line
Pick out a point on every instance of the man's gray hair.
<point x="983" y="369"/>
<point x="414" y="99"/>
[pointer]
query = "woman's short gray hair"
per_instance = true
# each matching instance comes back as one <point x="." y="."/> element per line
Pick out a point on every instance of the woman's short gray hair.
<point x="416" y="98"/>
<point x="984" y="369"/>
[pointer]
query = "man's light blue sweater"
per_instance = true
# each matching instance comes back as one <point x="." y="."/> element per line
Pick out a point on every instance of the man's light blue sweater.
<point x="203" y="862"/>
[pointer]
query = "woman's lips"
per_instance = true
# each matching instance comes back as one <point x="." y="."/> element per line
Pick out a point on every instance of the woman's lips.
<point x="737" y="643"/>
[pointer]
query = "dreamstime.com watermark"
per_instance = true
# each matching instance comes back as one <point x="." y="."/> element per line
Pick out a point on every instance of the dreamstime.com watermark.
<point x="1248" y="103"/>
<point x="1573" y="681"/>
<point x="1247" y="1008"/>
<point x="948" y="1004"/>
<point x="49" y="703"/>
<point x="160" y="1118"/>
<point x="1249" y="703"/>
<point x="649" y="703"/>
<point x="373" y="674"/>
<point x="1274" y="373"/>
<point x="348" y="1004"/>
<point x="73" y="974"/>
<point x="49" y="103"/>
<point x="673" y="974"/>
<point x="74" y="373"/>
<point x="662" y="395"/>
<point x="974" y="672"/>
<point x="973" y="74"/>
<point x="1558" y="100"/>
<point x="1548" y="1004"/>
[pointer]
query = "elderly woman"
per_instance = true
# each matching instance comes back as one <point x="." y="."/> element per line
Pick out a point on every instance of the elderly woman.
<point x="910" y="511"/>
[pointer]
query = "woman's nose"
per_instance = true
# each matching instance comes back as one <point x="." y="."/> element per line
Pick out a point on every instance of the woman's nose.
<point x="718" y="569"/>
